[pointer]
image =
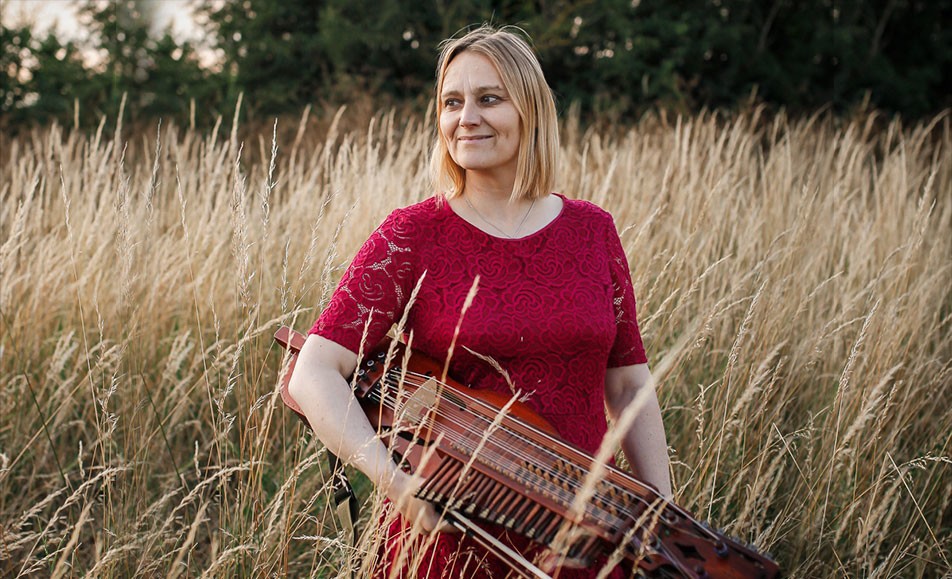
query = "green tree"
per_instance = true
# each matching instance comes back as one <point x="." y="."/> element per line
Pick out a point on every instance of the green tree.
<point x="613" y="56"/>
<point x="175" y="79"/>
<point x="41" y="79"/>
<point x="159" y="77"/>
<point x="899" y="52"/>
<point x="273" y="52"/>
<point x="14" y="51"/>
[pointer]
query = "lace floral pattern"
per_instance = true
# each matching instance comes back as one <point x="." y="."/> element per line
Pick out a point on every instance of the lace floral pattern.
<point x="554" y="309"/>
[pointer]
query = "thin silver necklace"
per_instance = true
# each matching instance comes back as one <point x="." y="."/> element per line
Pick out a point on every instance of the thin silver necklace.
<point x="496" y="227"/>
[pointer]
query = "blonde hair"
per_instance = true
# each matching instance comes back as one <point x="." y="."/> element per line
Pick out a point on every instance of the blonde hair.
<point x="522" y="77"/>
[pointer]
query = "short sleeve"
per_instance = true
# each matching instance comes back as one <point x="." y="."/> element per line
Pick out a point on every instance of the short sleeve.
<point x="627" y="348"/>
<point x="373" y="291"/>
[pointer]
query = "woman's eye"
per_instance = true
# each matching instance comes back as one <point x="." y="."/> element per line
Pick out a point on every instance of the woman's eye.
<point x="490" y="99"/>
<point x="450" y="103"/>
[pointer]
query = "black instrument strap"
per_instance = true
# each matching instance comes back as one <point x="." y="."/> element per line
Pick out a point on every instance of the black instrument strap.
<point x="345" y="501"/>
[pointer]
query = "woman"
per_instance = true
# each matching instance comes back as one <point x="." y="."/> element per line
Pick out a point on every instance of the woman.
<point x="554" y="304"/>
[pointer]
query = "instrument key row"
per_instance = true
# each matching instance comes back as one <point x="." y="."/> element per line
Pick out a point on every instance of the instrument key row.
<point x="476" y="494"/>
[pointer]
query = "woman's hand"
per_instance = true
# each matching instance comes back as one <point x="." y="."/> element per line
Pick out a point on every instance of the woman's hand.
<point x="550" y="561"/>
<point x="401" y="492"/>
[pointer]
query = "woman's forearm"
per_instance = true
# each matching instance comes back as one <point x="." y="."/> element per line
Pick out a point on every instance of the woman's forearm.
<point x="337" y="419"/>
<point x="644" y="442"/>
<point x="646" y="448"/>
<point x="325" y="397"/>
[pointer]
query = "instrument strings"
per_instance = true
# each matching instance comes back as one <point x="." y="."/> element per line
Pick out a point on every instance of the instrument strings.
<point x="519" y="439"/>
<point x="489" y="455"/>
<point x="514" y="448"/>
<point x="592" y="507"/>
<point x="419" y="381"/>
<point x="395" y="377"/>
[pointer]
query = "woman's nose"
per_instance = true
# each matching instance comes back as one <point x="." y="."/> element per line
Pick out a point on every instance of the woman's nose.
<point x="469" y="115"/>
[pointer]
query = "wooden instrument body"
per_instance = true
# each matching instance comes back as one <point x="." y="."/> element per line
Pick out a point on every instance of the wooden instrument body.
<point x="494" y="459"/>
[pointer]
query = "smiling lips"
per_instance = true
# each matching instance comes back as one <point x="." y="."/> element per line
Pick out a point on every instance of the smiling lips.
<point x="472" y="138"/>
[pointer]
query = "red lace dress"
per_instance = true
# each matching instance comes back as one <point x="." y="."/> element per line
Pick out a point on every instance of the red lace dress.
<point x="555" y="309"/>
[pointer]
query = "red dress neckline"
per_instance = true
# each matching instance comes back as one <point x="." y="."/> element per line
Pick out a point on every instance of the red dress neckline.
<point x="446" y="208"/>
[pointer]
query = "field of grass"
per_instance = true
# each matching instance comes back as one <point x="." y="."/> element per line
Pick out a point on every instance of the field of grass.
<point x="794" y="279"/>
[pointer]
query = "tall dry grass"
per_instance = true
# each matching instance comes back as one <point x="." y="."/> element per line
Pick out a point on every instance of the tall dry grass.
<point x="794" y="287"/>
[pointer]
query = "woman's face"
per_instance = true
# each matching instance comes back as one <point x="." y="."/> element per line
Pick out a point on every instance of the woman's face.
<point x="478" y="120"/>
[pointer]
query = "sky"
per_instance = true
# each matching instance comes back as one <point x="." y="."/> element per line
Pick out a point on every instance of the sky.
<point x="60" y="15"/>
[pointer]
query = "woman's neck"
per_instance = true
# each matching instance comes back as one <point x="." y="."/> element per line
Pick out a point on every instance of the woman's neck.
<point x="490" y="187"/>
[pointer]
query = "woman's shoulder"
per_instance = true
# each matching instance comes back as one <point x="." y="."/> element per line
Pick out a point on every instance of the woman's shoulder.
<point x="584" y="210"/>
<point x="419" y="213"/>
<point x="401" y="234"/>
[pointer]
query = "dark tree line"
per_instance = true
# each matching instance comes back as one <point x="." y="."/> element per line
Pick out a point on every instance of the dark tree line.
<point x="611" y="56"/>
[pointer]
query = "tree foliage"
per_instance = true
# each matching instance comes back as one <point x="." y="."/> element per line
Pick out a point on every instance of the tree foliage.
<point x="615" y="56"/>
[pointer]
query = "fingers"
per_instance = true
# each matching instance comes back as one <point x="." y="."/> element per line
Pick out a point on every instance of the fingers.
<point x="421" y="513"/>
<point x="401" y="488"/>
<point x="552" y="561"/>
<point x="424" y="515"/>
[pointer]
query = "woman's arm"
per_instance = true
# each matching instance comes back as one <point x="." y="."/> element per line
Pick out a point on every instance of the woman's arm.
<point x="320" y="389"/>
<point x="644" y="443"/>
